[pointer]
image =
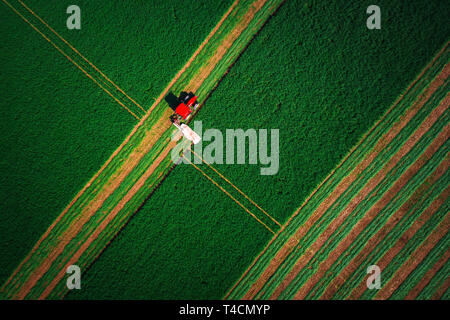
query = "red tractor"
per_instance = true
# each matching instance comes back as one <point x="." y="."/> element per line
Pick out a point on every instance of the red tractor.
<point x="184" y="107"/>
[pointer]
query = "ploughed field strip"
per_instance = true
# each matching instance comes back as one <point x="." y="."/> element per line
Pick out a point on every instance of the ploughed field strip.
<point x="105" y="204"/>
<point x="386" y="204"/>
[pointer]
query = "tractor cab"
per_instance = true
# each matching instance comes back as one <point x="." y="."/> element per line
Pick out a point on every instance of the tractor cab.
<point x="184" y="107"/>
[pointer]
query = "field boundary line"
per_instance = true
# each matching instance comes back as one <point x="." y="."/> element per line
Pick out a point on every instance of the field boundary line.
<point x="70" y="59"/>
<point x="82" y="56"/>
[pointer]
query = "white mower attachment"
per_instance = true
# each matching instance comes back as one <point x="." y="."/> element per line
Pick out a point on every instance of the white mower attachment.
<point x="188" y="133"/>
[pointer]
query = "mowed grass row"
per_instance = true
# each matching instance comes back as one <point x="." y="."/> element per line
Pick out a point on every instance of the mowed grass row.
<point x="75" y="226"/>
<point x="325" y="251"/>
<point x="323" y="82"/>
<point x="435" y="190"/>
<point x="375" y="225"/>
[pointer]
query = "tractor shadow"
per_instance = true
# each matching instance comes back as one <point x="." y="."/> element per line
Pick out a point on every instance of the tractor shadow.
<point x="172" y="101"/>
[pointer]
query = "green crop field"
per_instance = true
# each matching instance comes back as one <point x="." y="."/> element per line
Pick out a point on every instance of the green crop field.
<point x="319" y="76"/>
<point x="88" y="178"/>
<point x="58" y="127"/>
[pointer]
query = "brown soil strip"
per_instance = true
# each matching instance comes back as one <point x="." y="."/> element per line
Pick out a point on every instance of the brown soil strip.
<point x="206" y="70"/>
<point x="382" y="233"/>
<point x="280" y="256"/>
<point x="388" y="256"/>
<point x="368" y="217"/>
<point x="112" y="184"/>
<point x="442" y="290"/>
<point x="419" y="254"/>
<point x="344" y="185"/>
<point x="194" y="85"/>
<point x="428" y="276"/>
